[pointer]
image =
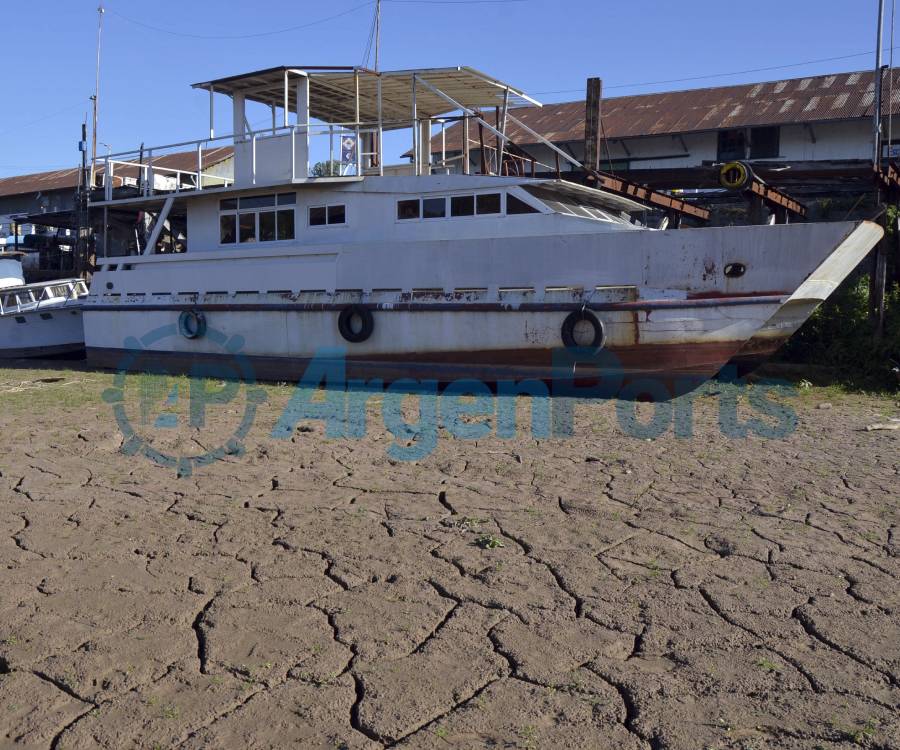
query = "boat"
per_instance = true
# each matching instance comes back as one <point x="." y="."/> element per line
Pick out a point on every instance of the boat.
<point x="438" y="274"/>
<point x="38" y="320"/>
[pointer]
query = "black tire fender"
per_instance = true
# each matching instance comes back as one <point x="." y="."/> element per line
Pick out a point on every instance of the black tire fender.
<point x="346" y="318"/>
<point x="568" y="330"/>
<point x="192" y="324"/>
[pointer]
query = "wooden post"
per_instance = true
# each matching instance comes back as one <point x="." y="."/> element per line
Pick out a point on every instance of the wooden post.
<point x="878" y="281"/>
<point x="756" y="209"/>
<point x="592" y="124"/>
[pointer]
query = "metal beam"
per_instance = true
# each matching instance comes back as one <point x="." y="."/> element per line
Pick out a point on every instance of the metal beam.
<point x="470" y="112"/>
<point x="158" y="226"/>
<point x="541" y="139"/>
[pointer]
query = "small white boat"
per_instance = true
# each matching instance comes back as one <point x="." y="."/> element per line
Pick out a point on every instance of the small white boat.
<point x="38" y="320"/>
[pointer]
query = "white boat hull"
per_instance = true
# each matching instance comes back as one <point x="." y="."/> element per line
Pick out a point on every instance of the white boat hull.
<point x="667" y="307"/>
<point x="48" y="332"/>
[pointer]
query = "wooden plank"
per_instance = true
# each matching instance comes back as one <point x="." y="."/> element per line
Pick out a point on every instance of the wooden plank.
<point x="648" y="196"/>
<point x="592" y="124"/>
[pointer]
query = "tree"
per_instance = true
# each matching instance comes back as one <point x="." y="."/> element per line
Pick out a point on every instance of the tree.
<point x="330" y="168"/>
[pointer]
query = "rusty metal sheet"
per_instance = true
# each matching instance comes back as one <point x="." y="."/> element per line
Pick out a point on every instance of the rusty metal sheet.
<point x="67" y="179"/>
<point x="842" y="96"/>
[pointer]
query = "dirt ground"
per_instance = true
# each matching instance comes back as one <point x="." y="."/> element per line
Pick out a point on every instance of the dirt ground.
<point x="604" y="590"/>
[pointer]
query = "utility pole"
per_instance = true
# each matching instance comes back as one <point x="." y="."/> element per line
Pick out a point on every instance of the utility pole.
<point x="879" y="74"/>
<point x="878" y="274"/>
<point x="96" y="96"/>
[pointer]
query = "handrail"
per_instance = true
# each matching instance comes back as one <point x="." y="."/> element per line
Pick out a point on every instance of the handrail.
<point x="75" y="288"/>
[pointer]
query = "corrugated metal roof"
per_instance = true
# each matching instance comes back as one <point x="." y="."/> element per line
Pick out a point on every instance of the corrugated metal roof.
<point x="843" y="96"/>
<point x="332" y="97"/>
<point x="67" y="179"/>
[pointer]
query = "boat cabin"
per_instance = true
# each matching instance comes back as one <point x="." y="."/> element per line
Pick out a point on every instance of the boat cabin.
<point x="314" y="167"/>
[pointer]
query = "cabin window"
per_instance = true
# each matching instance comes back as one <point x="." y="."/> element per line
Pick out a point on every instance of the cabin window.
<point x="518" y="206"/>
<point x="764" y="142"/>
<point x="228" y="229"/>
<point x="408" y="209"/>
<point x="462" y="205"/>
<point x="285" y="225"/>
<point x="257" y="218"/>
<point x="434" y="208"/>
<point x="489" y="203"/>
<point x="247" y="227"/>
<point x="320" y="216"/>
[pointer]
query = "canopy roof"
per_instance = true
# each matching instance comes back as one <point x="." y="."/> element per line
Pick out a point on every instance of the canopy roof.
<point x="333" y="92"/>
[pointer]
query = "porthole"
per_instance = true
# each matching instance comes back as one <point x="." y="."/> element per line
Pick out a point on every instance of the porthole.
<point x="735" y="270"/>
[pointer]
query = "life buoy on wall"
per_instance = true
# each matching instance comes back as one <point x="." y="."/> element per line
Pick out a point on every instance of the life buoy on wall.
<point x="192" y="324"/>
<point x="568" y="331"/>
<point x="356" y="323"/>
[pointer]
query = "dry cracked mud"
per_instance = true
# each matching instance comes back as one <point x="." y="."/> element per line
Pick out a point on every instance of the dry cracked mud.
<point x="597" y="591"/>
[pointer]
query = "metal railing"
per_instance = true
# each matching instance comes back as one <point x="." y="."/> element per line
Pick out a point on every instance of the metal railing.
<point x="34" y="297"/>
<point x="143" y="166"/>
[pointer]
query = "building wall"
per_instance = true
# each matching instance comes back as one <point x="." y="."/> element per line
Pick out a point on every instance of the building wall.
<point x="831" y="141"/>
<point x="31" y="203"/>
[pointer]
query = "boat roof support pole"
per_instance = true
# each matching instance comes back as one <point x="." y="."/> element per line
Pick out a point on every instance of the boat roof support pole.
<point x="501" y="143"/>
<point x="161" y="219"/>
<point x="467" y="155"/>
<point x="380" y="128"/>
<point x="302" y="86"/>
<point x="287" y="101"/>
<point x="425" y="147"/>
<point x="212" y="112"/>
<point x="238" y="116"/>
<point x="356" y="120"/>
<point x="543" y="140"/>
<point x="415" y="128"/>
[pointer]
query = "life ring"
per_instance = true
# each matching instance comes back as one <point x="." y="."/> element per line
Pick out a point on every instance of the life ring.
<point x="568" y="330"/>
<point x="351" y="333"/>
<point x="735" y="175"/>
<point x="192" y="324"/>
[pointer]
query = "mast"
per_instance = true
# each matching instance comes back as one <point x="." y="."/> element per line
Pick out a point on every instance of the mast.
<point x="96" y="96"/>
<point x="377" y="32"/>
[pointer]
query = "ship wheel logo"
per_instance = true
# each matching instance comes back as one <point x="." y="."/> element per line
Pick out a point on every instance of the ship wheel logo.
<point x="164" y="398"/>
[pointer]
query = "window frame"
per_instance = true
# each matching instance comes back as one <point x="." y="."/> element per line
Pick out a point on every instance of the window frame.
<point x="327" y="224"/>
<point x="276" y="208"/>
<point x="448" y="207"/>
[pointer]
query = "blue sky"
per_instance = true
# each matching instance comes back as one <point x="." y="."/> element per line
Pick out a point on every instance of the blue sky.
<point x="546" y="47"/>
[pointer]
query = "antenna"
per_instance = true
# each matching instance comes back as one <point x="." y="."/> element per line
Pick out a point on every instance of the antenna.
<point x="377" y="32"/>
<point x="96" y="96"/>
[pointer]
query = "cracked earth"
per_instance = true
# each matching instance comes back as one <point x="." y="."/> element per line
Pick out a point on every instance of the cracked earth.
<point x="601" y="591"/>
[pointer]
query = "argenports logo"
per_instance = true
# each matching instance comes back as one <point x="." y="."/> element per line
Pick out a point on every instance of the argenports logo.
<point x="159" y="413"/>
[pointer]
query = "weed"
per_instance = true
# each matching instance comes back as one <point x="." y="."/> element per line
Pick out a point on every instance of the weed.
<point x="442" y="732"/>
<point x="170" y="712"/>
<point x="529" y="736"/>
<point x="769" y="666"/>
<point x="489" y="541"/>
